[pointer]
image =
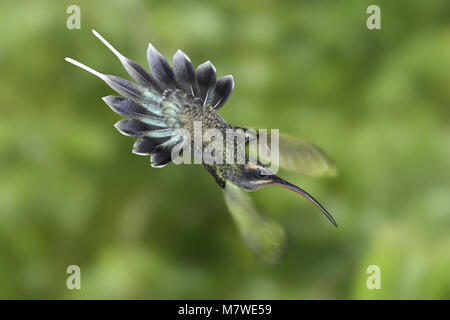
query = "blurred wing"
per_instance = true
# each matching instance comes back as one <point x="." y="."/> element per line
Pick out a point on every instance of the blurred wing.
<point x="298" y="155"/>
<point x="264" y="237"/>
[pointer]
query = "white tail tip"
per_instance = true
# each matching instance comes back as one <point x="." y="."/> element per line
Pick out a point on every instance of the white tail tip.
<point x="82" y="66"/>
<point x="107" y="44"/>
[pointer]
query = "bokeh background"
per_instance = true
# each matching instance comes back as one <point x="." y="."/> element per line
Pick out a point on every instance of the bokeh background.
<point x="71" y="192"/>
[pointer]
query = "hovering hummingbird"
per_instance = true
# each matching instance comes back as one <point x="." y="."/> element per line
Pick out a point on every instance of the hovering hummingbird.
<point x="170" y="98"/>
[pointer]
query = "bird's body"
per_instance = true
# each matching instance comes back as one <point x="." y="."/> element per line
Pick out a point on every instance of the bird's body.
<point x="191" y="112"/>
<point x="173" y="99"/>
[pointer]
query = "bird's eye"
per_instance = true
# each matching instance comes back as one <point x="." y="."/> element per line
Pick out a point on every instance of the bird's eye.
<point x="262" y="173"/>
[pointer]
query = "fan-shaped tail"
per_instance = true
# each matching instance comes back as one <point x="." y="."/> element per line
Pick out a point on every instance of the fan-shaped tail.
<point x="155" y="137"/>
<point x="144" y="108"/>
<point x="151" y="105"/>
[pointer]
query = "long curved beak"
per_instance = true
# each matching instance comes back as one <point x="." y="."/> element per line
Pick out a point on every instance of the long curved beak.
<point x="283" y="183"/>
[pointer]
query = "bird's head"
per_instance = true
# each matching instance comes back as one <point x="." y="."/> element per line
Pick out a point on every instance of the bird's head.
<point x="254" y="175"/>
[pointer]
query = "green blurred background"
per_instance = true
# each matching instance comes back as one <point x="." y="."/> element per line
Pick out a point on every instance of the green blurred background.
<point x="71" y="192"/>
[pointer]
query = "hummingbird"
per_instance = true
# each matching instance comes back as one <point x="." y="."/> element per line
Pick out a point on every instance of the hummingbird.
<point x="171" y="98"/>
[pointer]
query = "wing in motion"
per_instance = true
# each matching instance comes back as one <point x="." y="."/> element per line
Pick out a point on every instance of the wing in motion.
<point x="264" y="237"/>
<point x="297" y="155"/>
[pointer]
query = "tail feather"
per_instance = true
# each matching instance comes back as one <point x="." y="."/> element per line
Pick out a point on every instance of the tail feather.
<point x="152" y="104"/>
<point x="128" y="108"/>
<point x="222" y="91"/>
<point x="160" y="133"/>
<point x="146" y="146"/>
<point x="206" y="79"/>
<point x="136" y="71"/>
<point x="136" y="128"/>
<point x="124" y="87"/>
<point x="160" y="68"/>
<point x="185" y="73"/>
<point x="161" y="158"/>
